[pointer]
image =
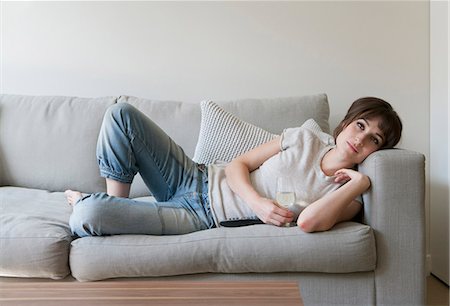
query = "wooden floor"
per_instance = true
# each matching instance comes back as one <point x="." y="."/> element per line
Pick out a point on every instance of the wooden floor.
<point x="437" y="292"/>
<point x="149" y="293"/>
<point x="22" y="291"/>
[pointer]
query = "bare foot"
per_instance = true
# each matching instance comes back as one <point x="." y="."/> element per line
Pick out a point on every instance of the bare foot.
<point x="72" y="196"/>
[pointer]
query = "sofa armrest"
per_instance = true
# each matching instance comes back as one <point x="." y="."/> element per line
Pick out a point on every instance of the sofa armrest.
<point x="394" y="207"/>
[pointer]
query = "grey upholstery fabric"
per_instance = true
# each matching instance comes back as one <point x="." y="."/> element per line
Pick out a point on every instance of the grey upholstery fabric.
<point x="49" y="142"/>
<point x="394" y="208"/>
<point x="34" y="233"/>
<point x="276" y="114"/>
<point x="180" y="120"/>
<point x="349" y="247"/>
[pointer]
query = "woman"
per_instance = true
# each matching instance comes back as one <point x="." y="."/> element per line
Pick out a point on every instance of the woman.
<point x="191" y="197"/>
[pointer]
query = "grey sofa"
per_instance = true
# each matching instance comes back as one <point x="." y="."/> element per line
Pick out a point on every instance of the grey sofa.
<point x="47" y="145"/>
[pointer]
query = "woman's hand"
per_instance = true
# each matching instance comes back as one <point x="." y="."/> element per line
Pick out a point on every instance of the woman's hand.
<point x="270" y="213"/>
<point x="336" y="206"/>
<point x="346" y="175"/>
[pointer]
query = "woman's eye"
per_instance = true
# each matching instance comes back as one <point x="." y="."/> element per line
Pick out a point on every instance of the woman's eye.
<point x="360" y="125"/>
<point x="375" y="140"/>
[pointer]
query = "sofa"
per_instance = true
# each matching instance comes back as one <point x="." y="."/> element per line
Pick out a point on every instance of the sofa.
<point x="47" y="145"/>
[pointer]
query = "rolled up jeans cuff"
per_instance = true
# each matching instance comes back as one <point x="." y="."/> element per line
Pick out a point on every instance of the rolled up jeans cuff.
<point x="123" y="178"/>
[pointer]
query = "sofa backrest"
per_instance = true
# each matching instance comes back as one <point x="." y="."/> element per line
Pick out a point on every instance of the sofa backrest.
<point x="181" y="120"/>
<point x="49" y="142"/>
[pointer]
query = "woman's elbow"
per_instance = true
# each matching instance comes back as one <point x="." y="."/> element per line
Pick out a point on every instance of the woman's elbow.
<point x="305" y="226"/>
<point x="311" y="225"/>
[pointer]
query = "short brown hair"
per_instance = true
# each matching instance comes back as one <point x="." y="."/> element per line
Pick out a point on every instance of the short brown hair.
<point x="371" y="107"/>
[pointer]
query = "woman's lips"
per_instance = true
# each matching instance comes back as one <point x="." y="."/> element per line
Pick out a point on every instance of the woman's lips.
<point x="352" y="147"/>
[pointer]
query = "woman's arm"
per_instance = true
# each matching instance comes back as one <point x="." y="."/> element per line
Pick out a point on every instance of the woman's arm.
<point x="237" y="174"/>
<point x="336" y="206"/>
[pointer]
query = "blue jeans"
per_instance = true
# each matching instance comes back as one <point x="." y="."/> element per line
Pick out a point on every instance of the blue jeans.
<point x="129" y="142"/>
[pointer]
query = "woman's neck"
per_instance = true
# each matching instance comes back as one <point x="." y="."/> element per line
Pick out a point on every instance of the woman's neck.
<point x="331" y="163"/>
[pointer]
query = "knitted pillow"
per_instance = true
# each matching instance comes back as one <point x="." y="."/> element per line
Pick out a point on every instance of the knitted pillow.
<point x="312" y="125"/>
<point x="223" y="136"/>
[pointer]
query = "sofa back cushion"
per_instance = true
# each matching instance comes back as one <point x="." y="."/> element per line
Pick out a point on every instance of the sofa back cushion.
<point x="49" y="142"/>
<point x="180" y="120"/>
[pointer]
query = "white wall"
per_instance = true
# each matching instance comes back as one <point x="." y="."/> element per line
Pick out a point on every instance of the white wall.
<point x="195" y="50"/>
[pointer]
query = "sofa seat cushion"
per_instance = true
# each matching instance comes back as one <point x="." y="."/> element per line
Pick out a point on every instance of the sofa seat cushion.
<point x="34" y="233"/>
<point x="348" y="247"/>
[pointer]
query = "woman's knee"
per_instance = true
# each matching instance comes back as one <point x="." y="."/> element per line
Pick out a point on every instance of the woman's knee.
<point x="120" y="111"/>
<point x="86" y="216"/>
<point x="121" y="117"/>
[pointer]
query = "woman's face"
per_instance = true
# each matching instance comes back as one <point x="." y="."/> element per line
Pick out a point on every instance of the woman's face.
<point x="359" y="139"/>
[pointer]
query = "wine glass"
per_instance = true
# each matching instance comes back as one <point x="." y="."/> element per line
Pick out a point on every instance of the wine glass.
<point x="285" y="193"/>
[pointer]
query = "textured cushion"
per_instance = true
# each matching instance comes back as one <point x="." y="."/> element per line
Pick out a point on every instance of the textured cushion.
<point x="230" y="128"/>
<point x="49" y="142"/>
<point x="312" y="125"/>
<point x="34" y="233"/>
<point x="223" y="136"/>
<point x="349" y="247"/>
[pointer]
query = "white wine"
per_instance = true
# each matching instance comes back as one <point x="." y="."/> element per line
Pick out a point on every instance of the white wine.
<point x="285" y="199"/>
